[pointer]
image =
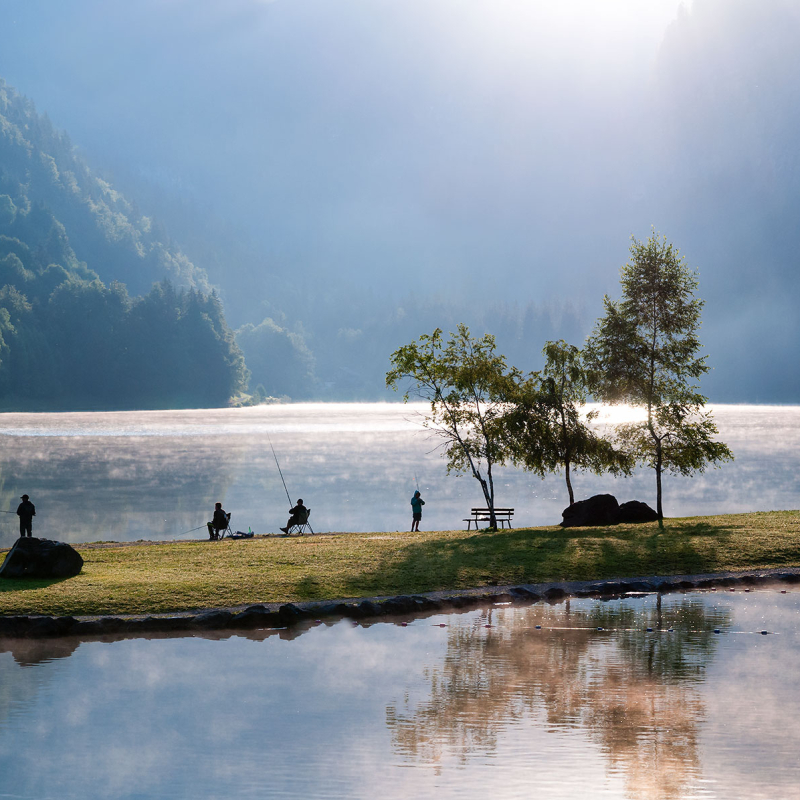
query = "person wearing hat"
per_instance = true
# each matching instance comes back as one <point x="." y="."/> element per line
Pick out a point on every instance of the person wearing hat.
<point x="26" y="511"/>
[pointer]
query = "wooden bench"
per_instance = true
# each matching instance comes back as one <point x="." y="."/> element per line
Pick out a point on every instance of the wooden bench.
<point x="502" y="517"/>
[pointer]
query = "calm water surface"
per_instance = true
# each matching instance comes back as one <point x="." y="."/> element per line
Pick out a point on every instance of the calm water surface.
<point x="157" y="474"/>
<point x="443" y="708"/>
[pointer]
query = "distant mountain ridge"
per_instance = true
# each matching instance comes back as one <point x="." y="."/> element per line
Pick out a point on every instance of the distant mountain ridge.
<point x="68" y="340"/>
<point x="40" y="166"/>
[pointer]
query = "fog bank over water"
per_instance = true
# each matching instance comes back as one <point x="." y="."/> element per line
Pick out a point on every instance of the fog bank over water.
<point x="361" y="171"/>
<point x="157" y="474"/>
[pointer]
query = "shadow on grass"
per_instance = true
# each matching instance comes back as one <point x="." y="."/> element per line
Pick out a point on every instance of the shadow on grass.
<point x="26" y="584"/>
<point x="540" y="555"/>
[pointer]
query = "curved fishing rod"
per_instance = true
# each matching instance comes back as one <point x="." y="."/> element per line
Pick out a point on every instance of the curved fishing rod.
<point x="279" y="470"/>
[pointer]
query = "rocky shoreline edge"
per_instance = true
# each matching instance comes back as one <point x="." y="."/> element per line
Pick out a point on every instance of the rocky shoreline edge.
<point x="277" y="615"/>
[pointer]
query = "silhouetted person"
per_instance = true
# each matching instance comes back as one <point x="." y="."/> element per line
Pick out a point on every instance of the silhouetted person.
<point x="219" y="522"/>
<point x="26" y="511"/>
<point x="299" y="516"/>
<point x="416" y="511"/>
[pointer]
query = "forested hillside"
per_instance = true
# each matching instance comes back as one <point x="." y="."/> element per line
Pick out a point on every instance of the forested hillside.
<point x="67" y="338"/>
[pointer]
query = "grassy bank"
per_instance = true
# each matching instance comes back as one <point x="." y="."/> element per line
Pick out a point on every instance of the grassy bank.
<point x="149" y="578"/>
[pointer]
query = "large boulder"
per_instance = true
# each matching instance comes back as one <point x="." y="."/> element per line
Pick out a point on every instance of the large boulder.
<point x="602" y="509"/>
<point x="41" y="558"/>
<point x="635" y="511"/>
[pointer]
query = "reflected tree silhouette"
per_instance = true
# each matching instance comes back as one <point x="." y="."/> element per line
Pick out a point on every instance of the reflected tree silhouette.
<point x="634" y="693"/>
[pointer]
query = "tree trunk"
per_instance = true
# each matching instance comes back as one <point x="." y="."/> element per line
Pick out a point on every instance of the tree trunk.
<point x="488" y="496"/>
<point x="659" y="510"/>
<point x="569" y="483"/>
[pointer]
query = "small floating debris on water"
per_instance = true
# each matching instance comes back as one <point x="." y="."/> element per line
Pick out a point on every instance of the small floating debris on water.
<point x="716" y="630"/>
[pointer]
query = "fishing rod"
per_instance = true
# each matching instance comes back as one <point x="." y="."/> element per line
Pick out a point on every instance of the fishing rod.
<point x="191" y="531"/>
<point x="279" y="470"/>
<point x="416" y="481"/>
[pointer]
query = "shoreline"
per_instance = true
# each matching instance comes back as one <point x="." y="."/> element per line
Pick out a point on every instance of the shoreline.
<point x="280" y="616"/>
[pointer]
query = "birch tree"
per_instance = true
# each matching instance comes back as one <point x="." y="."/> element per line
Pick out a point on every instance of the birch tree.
<point x="645" y="351"/>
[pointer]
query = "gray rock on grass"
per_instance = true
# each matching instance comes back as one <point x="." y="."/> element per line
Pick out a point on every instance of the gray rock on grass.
<point x="41" y="558"/>
<point x="603" y="509"/>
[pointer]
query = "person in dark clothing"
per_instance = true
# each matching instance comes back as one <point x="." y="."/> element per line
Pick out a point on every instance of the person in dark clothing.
<point x="26" y="511"/>
<point x="416" y="510"/>
<point x="219" y="522"/>
<point x="299" y="516"/>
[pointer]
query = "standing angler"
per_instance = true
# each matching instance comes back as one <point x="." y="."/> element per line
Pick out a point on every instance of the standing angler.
<point x="416" y="508"/>
<point x="26" y="511"/>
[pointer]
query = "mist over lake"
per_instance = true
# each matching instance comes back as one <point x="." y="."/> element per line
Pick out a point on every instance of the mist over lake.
<point x="157" y="474"/>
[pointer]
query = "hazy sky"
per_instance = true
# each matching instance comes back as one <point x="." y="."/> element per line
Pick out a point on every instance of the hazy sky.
<point x="360" y="135"/>
<point x="487" y="150"/>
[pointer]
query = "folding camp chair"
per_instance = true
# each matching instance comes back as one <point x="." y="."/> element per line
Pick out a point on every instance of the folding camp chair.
<point x="301" y="525"/>
<point x="221" y="534"/>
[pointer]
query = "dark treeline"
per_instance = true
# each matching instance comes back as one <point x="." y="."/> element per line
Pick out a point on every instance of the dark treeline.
<point x="68" y="340"/>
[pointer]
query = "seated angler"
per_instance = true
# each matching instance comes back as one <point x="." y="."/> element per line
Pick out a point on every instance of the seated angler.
<point x="299" y="516"/>
<point x="219" y="522"/>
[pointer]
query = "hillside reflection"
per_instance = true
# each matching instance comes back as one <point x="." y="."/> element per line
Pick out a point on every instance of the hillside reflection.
<point x="633" y="693"/>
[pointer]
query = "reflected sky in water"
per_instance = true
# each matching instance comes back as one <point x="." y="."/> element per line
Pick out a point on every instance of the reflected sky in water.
<point x="457" y="711"/>
<point x="157" y="474"/>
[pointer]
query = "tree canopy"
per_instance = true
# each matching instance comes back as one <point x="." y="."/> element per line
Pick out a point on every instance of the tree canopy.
<point x="645" y="351"/>
<point x="467" y="384"/>
<point x="548" y="426"/>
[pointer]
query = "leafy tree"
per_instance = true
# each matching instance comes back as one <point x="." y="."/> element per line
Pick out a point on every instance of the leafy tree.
<point x="644" y="351"/>
<point x="547" y="427"/>
<point x="467" y="385"/>
<point x="278" y="359"/>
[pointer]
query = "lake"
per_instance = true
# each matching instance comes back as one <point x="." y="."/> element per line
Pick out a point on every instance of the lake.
<point x="157" y="474"/>
<point x="464" y="705"/>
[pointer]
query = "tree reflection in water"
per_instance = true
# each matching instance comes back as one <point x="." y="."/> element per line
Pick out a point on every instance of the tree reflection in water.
<point x="634" y="693"/>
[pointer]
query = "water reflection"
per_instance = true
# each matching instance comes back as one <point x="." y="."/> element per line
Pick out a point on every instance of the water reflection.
<point x="632" y="692"/>
<point x="423" y="711"/>
<point x="157" y="474"/>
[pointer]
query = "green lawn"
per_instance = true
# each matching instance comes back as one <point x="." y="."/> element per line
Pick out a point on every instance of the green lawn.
<point x="186" y="575"/>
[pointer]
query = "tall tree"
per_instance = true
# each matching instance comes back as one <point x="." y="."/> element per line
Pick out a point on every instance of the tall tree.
<point x="467" y="385"/>
<point x="644" y="351"/>
<point x="548" y="427"/>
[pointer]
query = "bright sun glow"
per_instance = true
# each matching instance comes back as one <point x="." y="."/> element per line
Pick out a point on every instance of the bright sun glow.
<point x="616" y="415"/>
